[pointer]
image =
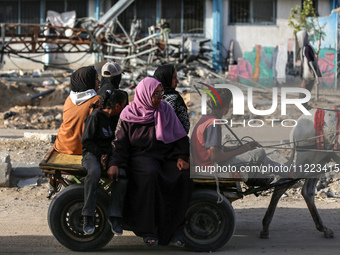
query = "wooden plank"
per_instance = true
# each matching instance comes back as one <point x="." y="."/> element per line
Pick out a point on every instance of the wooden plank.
<point x="54" y="160"/>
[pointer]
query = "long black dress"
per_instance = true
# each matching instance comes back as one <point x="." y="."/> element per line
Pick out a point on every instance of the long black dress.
<point x="158" y="193"/>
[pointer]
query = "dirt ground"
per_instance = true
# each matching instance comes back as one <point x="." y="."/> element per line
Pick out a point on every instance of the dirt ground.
<point x="24" y="227"/>
<point x="23" y="211"/>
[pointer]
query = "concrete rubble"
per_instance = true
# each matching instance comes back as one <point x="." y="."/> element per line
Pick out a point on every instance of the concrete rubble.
<point x="28" y="173"/>
<point x="41" y="136"/>
<point x="5" y="169"/>
<point x="23" y="173"/>
<point x="29" y="182"/>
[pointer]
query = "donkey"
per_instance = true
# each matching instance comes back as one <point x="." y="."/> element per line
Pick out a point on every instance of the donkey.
<point x="304" y="136"/>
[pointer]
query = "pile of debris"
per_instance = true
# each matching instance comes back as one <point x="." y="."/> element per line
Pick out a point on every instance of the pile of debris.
<point x="33" y="117"/>
<point x="34" y="100"/>
<point x="31" y="102"/>
<point x="328" y="188"/>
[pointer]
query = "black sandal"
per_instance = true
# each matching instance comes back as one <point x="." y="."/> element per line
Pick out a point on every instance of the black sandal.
<point x="150" y="241"/>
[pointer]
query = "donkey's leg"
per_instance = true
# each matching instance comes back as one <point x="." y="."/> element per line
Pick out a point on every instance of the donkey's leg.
<point x="278" y="192"/>
<point x="308" y="193"/>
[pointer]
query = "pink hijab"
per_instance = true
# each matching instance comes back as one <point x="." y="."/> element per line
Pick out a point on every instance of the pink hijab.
<point x="167" y="125"/>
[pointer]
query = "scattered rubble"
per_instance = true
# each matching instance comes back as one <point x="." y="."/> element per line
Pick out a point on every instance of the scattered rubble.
<point x="24" y="149"/>
<point x="5" y="169"/>
<point x="34" y="117"/>
<point x="39" y="106"/>
<point x="29" y="103"/>
<point x="36" y="181"/>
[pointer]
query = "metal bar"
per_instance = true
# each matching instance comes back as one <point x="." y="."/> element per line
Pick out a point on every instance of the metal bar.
<point x="133" y="56"/>
<point x="112" y="13"/>
<point x="2" y="44"/>
<point x="43" y="93"/>
<point x="2" y="36"/>
<point x="143" y="46"/>
<point x="117" y="45"/>
<point x="114" y="57"/>
<point x="121" y="50"/>
<point x="126" y="34"/>
<point x="115" y="10"/>
<point x="33" y="41"/>
<point x="147" y="38"/>
<point x="136" y="42"/>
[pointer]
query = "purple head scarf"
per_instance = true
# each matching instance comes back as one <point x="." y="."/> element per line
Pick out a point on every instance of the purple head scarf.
<point x="167" y="125"/>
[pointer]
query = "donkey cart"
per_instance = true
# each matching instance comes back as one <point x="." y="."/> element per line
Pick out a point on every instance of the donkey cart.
<point x="210" y="218"/>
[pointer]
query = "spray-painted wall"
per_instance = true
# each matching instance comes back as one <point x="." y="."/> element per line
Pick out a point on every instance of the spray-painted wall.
<point x="246" y="36"/>
<point x="279" y="65"/>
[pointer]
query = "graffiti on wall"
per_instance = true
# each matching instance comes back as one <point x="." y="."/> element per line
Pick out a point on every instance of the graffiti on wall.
<point x="279" y="65"/>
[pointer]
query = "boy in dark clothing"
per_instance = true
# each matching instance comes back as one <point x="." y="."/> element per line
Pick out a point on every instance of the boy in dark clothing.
<point x="111" y="77"/>
<point x="98" y="134"/>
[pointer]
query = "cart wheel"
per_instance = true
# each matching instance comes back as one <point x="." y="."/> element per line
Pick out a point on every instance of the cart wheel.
<point x="66" y="221"/>
<point x="209" y="225"/>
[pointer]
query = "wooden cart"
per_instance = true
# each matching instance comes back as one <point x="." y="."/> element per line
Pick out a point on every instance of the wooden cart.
<point x="210" y="218"/>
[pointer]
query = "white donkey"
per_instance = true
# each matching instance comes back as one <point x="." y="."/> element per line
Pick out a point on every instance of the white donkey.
<point x="308" y="163"/>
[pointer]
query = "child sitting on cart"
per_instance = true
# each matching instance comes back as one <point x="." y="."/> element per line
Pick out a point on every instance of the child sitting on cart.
<point x="96" y="140"/>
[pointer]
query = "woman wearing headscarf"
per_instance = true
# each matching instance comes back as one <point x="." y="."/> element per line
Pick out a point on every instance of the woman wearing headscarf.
<point x="84" y="84"/>
<point x="153" y="146"/>
<point x="167" y="75"/>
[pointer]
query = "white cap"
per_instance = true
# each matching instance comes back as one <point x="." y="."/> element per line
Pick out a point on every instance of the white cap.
<point x="111" y="69"/>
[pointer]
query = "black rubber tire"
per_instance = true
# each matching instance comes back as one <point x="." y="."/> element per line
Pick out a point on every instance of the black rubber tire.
<point x="66" y="221"/>
<point x="209" y="225"/>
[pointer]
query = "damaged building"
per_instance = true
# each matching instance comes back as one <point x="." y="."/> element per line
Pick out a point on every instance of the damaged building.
<point x="228" y="35"/>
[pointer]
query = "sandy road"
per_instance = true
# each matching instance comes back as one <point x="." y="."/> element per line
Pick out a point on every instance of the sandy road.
<point x="24" y="228"/>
